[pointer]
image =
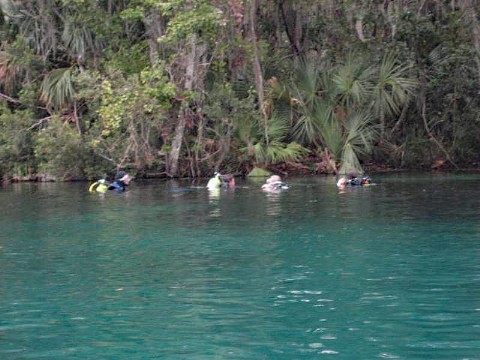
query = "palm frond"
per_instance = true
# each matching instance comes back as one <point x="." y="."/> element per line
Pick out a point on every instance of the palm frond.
<point x="313" y="126"/>
<point x="36" y="22"/>
<point x="277" y="126"/>
<point x="350" y="161"/>
<point x="313" y="96"/>
<point x="360" y="133"/>
<point x="10" y="69"/>
<point x="278" y="151"/>
<point x="332" y="136"/>
<point x="247" y="129"/>
<point x="393" y="86"/>
<point x="241" y="88"/>
<point x="305" y="130"/>
<point x="260" y="153"/>
<point x="353" y="81"/>
<point x="57" y="88"/>
<point x="305" y="88"/>
<point x="78" y="39"/>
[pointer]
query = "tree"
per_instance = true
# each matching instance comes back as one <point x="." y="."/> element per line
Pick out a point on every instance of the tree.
<point x="191" y="26"/>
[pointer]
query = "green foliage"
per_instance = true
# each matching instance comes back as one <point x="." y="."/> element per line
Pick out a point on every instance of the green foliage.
<point x="350" y="162"/>
<point x="230" y="121"/>
<point x="133" y="14"/>
<point x="198" y="17"/>
<point x="18" y="64"/>
<point x="128" y="59"/>
<point x="61" y="152"/>
<point x="333" y="108"/>
<point x="278" y="151"/>
<point x="360" y="134"/>
<point x="78" y="38"/>
<point x="392" y="87"/>
<point x="278" y="148"/>
<point x="88" y="86"/>
<point x="353" y="81"/>
<point x="131" y="114"/>
<point x="57" y="88"/>
<point x="156" y="84"/>
<point x="16" y="142"/>
<point x="185" y="17"/>
<point x="113" y="74"/>
<point x="359" y="137"/>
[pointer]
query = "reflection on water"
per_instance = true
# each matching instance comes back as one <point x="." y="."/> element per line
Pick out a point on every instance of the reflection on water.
<point x="213" y="194"/>
<point x="172" y="271"/>
<point x="274" y="206"/>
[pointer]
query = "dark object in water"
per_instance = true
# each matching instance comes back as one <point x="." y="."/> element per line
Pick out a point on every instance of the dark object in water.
<point x="356" y="181"/>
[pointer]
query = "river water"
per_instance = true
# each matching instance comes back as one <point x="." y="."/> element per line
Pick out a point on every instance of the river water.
<point x="169" y="270"/>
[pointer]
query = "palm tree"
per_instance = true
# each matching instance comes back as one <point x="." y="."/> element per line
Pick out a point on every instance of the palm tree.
<point x="78" y="39"/>
<point x="305" y="90"/>
<point x="337" y="105"/>
<point x="329" y="102"/>
<point x="36" y="21"/>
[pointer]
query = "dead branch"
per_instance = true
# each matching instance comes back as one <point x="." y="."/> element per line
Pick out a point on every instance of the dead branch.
<point x="39" y="122"/>
<point x="10" y="99"/>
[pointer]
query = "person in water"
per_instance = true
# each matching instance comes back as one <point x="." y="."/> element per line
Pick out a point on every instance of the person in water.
<point x="228" y="180"/>
<point x="274" y="183"/>
<point x="215" y="182"/>
<point x="352" y="179"/>
<point x="119" y="184"/>
<point x="122" y="180"/>
<point x="221" y="180"/>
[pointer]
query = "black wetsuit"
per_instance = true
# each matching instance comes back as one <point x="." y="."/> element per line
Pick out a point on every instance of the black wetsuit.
<point x="356" y="181"/>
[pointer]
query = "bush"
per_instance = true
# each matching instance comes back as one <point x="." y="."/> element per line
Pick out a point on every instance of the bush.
<point x="61" y="152"/>
<point x="16" y="143"/>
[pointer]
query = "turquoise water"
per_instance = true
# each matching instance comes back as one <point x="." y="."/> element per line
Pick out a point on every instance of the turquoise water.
<point x="170" y="271"/>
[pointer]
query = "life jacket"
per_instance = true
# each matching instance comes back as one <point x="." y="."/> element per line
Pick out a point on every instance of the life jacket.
<point x="100" y="186"/>
<point x="214" y="182"/>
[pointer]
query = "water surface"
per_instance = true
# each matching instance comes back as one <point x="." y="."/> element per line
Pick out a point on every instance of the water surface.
<point x="172" y="271"/>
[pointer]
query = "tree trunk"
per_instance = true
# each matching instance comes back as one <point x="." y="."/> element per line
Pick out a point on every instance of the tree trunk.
<point x="172" y="164"/>
<point x="256" y="66"/>
<point x="77" y="120"/>
<point x="359" y="28"/>
<point x="298" y="34"/>
<point x="155" y="29"/>
<point x="291" y="37"/>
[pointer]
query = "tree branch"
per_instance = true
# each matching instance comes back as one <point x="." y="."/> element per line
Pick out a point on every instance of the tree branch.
<point x="39" y="122"/>
<point x="10" y="99"/>
<point x="434" y="139"/>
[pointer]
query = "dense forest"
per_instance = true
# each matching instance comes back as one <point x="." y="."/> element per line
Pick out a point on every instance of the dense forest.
<point x="174" y="88"/>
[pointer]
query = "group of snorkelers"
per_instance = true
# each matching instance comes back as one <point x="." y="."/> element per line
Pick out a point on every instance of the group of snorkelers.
<point x="273" y="184"/>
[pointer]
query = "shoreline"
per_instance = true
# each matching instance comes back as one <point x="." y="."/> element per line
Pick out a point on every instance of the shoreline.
<point x="44" y="178"/>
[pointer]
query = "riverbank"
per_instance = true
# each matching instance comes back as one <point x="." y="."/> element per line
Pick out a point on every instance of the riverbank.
<point x="285" y="170"/>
